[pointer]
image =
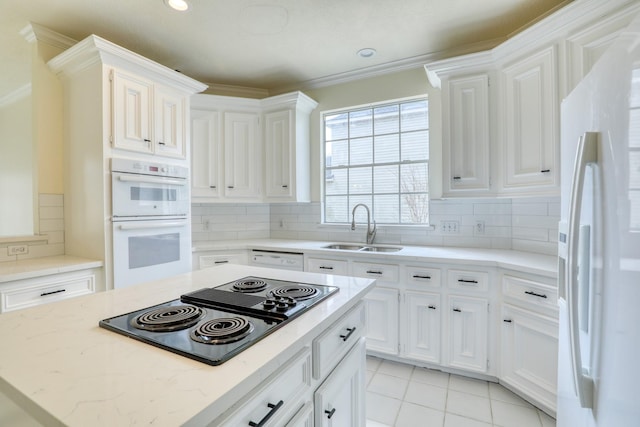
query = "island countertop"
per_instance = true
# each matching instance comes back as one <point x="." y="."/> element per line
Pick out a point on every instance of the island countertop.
<point x="63" y="369"/>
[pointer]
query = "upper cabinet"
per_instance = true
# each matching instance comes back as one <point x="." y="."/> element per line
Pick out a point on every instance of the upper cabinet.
<point x="530" y="123"/>
<point x="248" y="150"/>
<point x="147" y="117"/>
<point x="501" y="136"/>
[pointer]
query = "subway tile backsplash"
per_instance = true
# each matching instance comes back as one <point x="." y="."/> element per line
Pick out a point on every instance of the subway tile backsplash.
<point x="528" y="224"/>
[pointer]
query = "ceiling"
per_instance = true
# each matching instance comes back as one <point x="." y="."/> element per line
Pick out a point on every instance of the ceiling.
<point x="272" y="45"/>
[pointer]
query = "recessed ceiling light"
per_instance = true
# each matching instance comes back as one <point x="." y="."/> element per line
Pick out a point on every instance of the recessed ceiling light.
<point x="179" y="5"/>
<point x="367" y="52"/>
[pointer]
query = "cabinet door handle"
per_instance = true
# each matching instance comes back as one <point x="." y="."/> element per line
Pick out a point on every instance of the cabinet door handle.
<point x="432" y="307"/>
<point x="212" y="186"/>
<point x="146" y="140"/>
<point x="457" y="177"/>
<point x="457" y="310"/>
<point x="373" y="272"/>
<point x="507" y="320"/>
<point x="467" y="281"/>
<point x="285" y="186"/>
<point x="330" y="413"/>
<point x="322" y="267"/>
<point x="160" y="143"/>
<point x="417" y="276"/>
<point x="545" y="170"/>
<point x="44" y="294"/>
<point x="348" y="334"/>
<point x="535" y="294"/>
<point x="230" y="186"/>
<point x="273" y="408"/>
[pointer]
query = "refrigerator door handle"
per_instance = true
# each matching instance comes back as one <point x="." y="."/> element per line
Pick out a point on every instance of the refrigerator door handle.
<point x="587" y="153"/>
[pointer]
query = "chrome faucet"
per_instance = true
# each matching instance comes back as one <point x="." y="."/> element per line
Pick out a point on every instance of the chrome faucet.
<point x="371" y="232"/>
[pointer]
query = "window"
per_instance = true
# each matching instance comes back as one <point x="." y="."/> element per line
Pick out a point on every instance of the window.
<point x="377" y="155"/>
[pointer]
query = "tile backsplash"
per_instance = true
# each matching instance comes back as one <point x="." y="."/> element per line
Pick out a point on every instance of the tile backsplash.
<point x="528" y="224"/>
<point x="50" y="239"/>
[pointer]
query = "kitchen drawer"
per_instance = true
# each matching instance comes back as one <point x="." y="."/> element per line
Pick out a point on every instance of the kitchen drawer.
<point x="32" y="292"/>
<point x="206" y="261"/>
<point x="279" y="399"/>
<point x="381" y="272"/>
<point x="530" y="293"/>
<point x="333" y="344"/>
<point x="468" y="280"/>
<point x="327" y="266"/>
<point x="421" y="277"/>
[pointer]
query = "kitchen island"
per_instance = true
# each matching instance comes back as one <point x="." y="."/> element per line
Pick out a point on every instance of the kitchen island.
<point x="63" y="369"/>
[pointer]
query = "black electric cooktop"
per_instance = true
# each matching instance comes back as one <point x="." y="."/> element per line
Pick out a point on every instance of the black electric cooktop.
<point x="212" y="325"/>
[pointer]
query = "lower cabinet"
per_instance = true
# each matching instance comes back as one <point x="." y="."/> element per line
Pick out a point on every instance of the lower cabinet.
<point x="420" y="325"/>
<point x="529" y="354"/>
<point x="340" y="400"/>
<point x="467" y="336"/>
<point x="41" y="290"/>
<point x="217" y="258"/>
<point x="382" y="320"/>
<point x="303" y="418"/>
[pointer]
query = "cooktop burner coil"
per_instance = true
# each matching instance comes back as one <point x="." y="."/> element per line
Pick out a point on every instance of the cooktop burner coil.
<point x="249" y="285"/>
<point x="167" y="319"/>
<point x="222" y="330"/>
<point x="298" y="291"/>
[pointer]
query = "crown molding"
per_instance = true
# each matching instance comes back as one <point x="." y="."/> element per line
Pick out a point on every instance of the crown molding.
<point x="34" y="32"/>
<point x="233" y="90"/>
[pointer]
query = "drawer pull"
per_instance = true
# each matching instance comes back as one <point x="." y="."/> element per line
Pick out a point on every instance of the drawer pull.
<point x="221" y="262"/>
<point x="348" y="334"/>
<point x="323" y="267"/>
<point x="467" y="281"/>
<point x="417" y="276"/>
<point x="507" y="320"/>
<point x="273" y="408"/>
<point x="457" y="310"/>
<point x="374" y="272"/>
<point x="160" y="143"/>
<point x="285" y="186"/>
<point x="146" y="140"/>
<point x="545" y="171"/>
<point x="330" y="413"/>
<point x="212" y="186"/>
<point x="535" y="294"/>
<point x="230" y="187"/>
<point x="44" y="294"/>
<point x="432" y="307"/>
<point x="457" y="177"/>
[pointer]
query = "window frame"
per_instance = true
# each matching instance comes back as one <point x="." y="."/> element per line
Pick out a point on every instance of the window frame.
<point x="396" y="101"/>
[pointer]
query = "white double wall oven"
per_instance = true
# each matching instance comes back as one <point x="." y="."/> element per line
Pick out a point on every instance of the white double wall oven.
<point x="150" y="219"/>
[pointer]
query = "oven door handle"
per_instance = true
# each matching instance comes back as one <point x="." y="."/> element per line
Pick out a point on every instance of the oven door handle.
<point x="140" y="225"/>
<point x="152" y="180"/>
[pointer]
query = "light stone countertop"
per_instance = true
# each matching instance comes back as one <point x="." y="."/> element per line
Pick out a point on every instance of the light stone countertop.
<point x="526" y="262"/>
<point x="63" y="369"/>
<point x="35" y="267"/>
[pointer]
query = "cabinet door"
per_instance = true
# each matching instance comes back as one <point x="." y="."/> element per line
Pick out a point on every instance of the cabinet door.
<point x="132" y="112"/>
<point x="468" y="338"/>
<point x="531" y="123"/>
<point x="529" y="349"/>
<point x="382" y="320"/>
<point x="421" y="326"/>
<point x="206" y="154"/>
<point x="466" y="134"/>
<point x="242" y="156"/>
<point x="279" y="154"/>
<point x="340" y="400"/>
<point x="169" y="122"/>
<point x="303" y="418"/>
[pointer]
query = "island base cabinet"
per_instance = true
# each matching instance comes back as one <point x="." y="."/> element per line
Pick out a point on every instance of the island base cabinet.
<point x="303" y="418"/>
<point x="529" y="355"/>
<point x="340" y="400"/>
<point x="468" y="333"/>
<point x="279" y="399"/>
<point x="382" y="320"/>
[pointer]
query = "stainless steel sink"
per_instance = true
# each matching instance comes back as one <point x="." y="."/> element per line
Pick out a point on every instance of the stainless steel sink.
<point x="381" y="249"/>
<point x="354" y="247"/>
<point x="344" y="247"/>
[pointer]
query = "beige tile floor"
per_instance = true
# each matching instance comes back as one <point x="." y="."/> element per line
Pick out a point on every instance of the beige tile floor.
<point x="400" y="395"/>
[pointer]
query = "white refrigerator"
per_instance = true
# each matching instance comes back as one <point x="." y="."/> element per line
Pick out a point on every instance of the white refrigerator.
<point x="599" y="243"/>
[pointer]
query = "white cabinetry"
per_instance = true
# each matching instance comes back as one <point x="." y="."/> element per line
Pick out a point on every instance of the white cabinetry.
<point x="530" y="113"/>
<point x="465" y="104"/>
<point x="382" y="320"/>
<point x="340" y="400"/>
<point x="467" y="335"/>
<point x="251" y="150"/>
<point x="206" y="259"/>
<point x="529" y="337"/>
<point x="25" y="293"/>
<point x="148" y="117"/>
<point x="327" y="266"/>
<point x="421" y="325"/>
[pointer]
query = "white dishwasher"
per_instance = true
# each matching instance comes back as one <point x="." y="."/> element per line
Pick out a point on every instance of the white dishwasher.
<point x="277" y="259"/>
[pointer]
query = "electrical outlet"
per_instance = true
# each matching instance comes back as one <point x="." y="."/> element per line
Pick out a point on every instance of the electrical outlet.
<point x="479" y="227"/>
<point x="449" y="227"/>
<point x="18" y="250"/>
